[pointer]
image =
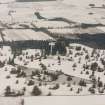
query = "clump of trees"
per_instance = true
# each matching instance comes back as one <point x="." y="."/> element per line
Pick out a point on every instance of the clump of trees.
<point x="54" y="76"/>
<point x="9" y="92"/>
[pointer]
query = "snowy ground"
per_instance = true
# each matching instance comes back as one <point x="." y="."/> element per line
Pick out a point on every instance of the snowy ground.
<point x="76" y="63"/>
<point x="72" y="9"/>
<point x="66" y="65"/>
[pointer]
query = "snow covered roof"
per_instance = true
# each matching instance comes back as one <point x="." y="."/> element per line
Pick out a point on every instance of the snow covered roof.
<point x="90" y="30"/>
<point x="78" y="30"/>
<point x="24" y="34"/>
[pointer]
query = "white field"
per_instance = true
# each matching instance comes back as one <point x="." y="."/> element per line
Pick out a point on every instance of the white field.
<point x="74" y="10"/>
<point x="52" y="24"/>
<point x="65" y="66"/>
<point x="62" y="31"/>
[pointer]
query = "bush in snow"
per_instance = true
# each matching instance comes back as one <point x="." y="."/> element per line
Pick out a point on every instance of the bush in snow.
<point x="17" y="81"/>
<point x="32" y="58"/>
<point x="91" y="90"/>
<point x="87" y="57"/>
<point x="49" y="94"/>
<point x="100" y="69"/>
<point x="100" y="84"/>
<point x="68" y="85"/>
<point x="81" y="72"/>
<point x="59" y="59"/>
<point x="21" y="74"/>
<point x="2" y="64"/>
<point x="74" y="65"/>
<point x="87" y="72"/>
<point x="94" y="66"/>
<point x="56" y="86"/>
<point x="69" y="78"/>
<point x="82" y="83"/>
<point x="43" y="66"/>
<point x="8" y="76"/>
<point x="36" y="91"/>
<point x="101" y="91"/>
<point x="7" y="91"/>
<point x="40" y="84"/>
<point x="78" y="91"/>
<point x="13" y="71"/>
<point x="71" y="89"/>
<point x="30" y="83"/>
<point x="102" y="61"/>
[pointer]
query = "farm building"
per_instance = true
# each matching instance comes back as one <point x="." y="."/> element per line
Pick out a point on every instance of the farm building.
<point x="20" y="39"/>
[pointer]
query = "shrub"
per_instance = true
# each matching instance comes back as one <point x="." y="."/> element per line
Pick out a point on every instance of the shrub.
<point x="92" y="5"/>
<point x="2" y="64"/>
<point x="91" y="90"/>
<point x="7" y="91"/>
<point x="100" y="84"/>
<point x="68" y="85"/>
<point x="43" y="66"/>
<point x="36" y="91"/>
<point x="82" y="83"/>
<point x="71" y="89"/>
<point x="87" y="57"/>
<point x="8" y="76"/>
<point x="49" y="94"/>
<point x="100" y="69"/>
<point x="30" y="83"/>
<point x="55" y="87"/>
<point x="54" y="76"/>
<point x="69" y="78"/>
<point x="87" y="72"/>
<point x="94" y="66"/>
<point x="81" y="72"/>
<point x="17" y="81"/>
<point x="40" y="84"/>
<point x="74" y="65"/>
<point x="78" y="91"/>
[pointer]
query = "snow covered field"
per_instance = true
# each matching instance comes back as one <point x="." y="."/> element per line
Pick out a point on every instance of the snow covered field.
<point x="51" y="24"/>
<point x="79" y="73"/>
<point x="72" y="9"/>
<point x="77" y="63"/>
